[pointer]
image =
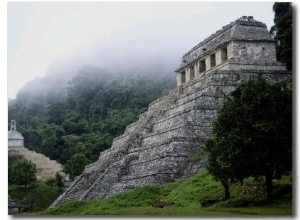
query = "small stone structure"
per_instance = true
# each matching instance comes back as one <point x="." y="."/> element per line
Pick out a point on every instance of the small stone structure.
<point x="154" y="149"/>
<point x="13" y="206"/>
<point x="46" y="168"/>
<point x="15" y="138"/>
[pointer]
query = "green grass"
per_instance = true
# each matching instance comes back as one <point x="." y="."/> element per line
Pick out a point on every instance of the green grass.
<point x="185" y="195"/>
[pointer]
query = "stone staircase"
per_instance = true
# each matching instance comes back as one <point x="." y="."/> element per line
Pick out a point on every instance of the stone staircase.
<point x="80" y="187"/>
<point x="46" y="168"/>
<point x="154" y="149"/>
<point x="93" y="173"/>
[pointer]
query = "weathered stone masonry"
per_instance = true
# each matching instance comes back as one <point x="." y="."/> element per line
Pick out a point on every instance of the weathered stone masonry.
<point x="154" y="149"/>
<point x="243" y="44"/>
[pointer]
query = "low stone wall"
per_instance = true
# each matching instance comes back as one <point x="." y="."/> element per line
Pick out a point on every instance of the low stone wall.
<point x="13" y="207"/>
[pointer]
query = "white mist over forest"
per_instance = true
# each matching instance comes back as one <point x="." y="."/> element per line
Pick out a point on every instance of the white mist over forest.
<point x="57" y="39"/>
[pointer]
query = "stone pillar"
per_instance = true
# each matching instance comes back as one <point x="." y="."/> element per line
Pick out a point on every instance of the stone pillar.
<point x="13" y="126"/>
<point x="197" y="69"/>
<point x="190" y="73"/>
<point x="218" y="57"/>
<point x="230" y="54"/>
<point x="207" y="63"/>
<point x="187" y="74"/>
<point x="178" y="79"/>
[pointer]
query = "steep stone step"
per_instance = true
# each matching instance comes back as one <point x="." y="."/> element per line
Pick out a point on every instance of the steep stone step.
<point x="98" y="168"/>
<point x="82" y="184"/>
<point x="134" y="132"/>
<point x="46" y="168"/>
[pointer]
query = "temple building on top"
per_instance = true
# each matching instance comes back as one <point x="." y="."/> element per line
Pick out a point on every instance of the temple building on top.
<point x="244" y="44"/>
<point x="15" y="138"/>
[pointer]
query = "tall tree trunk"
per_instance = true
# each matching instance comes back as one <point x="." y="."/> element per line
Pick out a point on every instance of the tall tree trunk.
<point x="269" y="186"/>
<point x="226" y="189"/>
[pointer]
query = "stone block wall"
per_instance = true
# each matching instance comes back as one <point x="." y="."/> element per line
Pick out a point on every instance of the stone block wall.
<point x="253" y="51"/>
<point x="15" y="143"/>
<point x="245" y="41"/>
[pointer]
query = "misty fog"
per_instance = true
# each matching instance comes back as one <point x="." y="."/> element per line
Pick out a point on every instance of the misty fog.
<point x="137" y="37"/>
<point x="139" y="53"/>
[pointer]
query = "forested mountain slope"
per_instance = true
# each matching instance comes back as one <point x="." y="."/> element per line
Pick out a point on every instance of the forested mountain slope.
<point x="60" y="117"/>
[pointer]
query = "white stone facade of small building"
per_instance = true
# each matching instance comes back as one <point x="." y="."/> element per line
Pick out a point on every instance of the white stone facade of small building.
<point x="15" y="138"/>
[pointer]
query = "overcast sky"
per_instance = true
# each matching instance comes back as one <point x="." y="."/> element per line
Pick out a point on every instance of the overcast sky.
<point x="40" y="33"/>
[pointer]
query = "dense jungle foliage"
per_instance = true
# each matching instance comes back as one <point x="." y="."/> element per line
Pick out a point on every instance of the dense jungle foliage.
<point x="60" y="118"/>
<point x="282" y="32"/>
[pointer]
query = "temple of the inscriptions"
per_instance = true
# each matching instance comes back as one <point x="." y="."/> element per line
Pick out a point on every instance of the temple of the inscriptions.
<point x="244" y="44"/>
<point x="156" y="148"/>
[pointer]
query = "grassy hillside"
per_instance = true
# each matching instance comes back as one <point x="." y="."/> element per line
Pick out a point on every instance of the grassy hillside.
<point x="183" y="198"/>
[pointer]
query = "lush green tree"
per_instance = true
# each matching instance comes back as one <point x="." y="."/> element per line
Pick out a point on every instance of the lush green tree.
<point x="76" y="165"/>
<point x="282" y="32"/>
<point x="218" y="164"/>
<point x="32" y="139"/>
<point x="12" y="159"/>
<point x="50" y="182"/>
<point x="23" y="172"/>
<point x="82" y="89"/>
<point x="55" y="112"/>
<point x="51" y="137"/>
<point x="252" y="134"/>
<point x="95" y="143"/>
<point x="29" y="202"/>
